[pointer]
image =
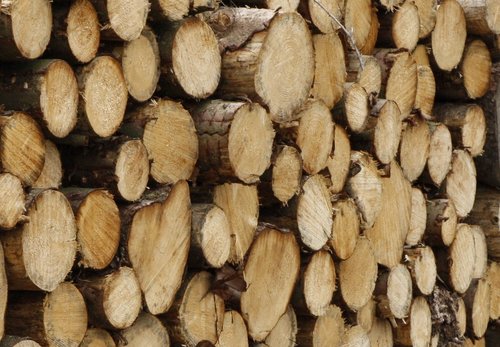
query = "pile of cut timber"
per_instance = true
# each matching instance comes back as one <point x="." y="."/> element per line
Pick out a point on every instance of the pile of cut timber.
<point x="249" y="173"/>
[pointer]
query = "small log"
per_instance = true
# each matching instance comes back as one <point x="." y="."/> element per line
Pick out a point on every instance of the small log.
<point x="345" y="228"/>
<point x="287" y="174"/>
<point x="400" y="28"/>
<point x="169" y="134"/>
<point x="47" y="89"/>
<point x="442" y="221"/>
<point x="449" y="34"/>
<point x="52" y="172"/>
<point x="477" y="303"/>
<point x="380" y="334"/>
<point x="460" y="185"/>
<point x="427" y="16"/>
<point x="440" y="153"/>
<point x="422" y="265"/>
<point x="481" y="16"/>
<point x="284" y="332"/>
<point x="241" y="206"/>
<point x="493" y="277"/>
<point x="393" y="292"/>
<point x="262" y="308"/>
<point x="113" y="300"/>
<point x="146" y="330"/>
<point x="418" y="218"/>
<point x="426" y="91"/>
<point x="366" y="316"/>
<point x="21" y="24"/>
<point x="326" y="330"/>
<point x="45" y="317"/>
<point x="96" y="337"/>
<point x="339" y="160"/>
<point x="358" y="20"/>
<point x="414" y="148"/>
<point x="480" y="251"/>
<point x="14" y="264"/>
<point x="320" y="15"/>
<point x="356" y="109"/>
<point x="16" y="341"/>
<point x="417" y="331"/>
<point x="357" y="275"/>
<point x="12" y="205"/>
<point x="104" y="96"/>
<point x="98" y="224"/>
<point x="355" y="336"/>
<point x="234" y="331"/>
<point x="22" y="147"/>
<point x="369" y="77"/>
<point x="171" y="10"/>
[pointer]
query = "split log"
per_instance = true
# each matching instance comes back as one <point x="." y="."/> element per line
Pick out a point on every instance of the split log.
<point x="169" y="134"/>
<point x="460" y="185"/>
<point x="391" y="226"/>
<point x="278" y="254"/>
<point x="76" y="33"/>
<point x="284" y="332"/>
<point x="314" y="212"/>
<point x="440" y="153"/>
<point x="120" y="165"/>
<point x="481" y="16"/>
<point x="330" y="67"/>
<point x="21" y="24"/>
<point x="52" y="172"/>
<point x="241" y="206"/>
<point x="422" y="265"/>
<point x="414" y="148"/>
<point x="355" y="336"/>
<point x="47" y="89"/>
<point x="234" y="331"/>
<point x="287" y="174"/>
<point x="417" y="331"/>
<point x="56" y="318"/>
<point x="281" y="5"/>
<point x="400" y="28"/>
<point x="22" y="147"/>
<point x="480" y="251"/>
<point x="393" y="292"/>
<point x="320" y="15"/>
<point x="159" y="230"/>
<point x="146" y="330"/>
<point x="477" y="303"/>
<point x="449" y="34"/>
<point x="12" y="204"/>
<point x="427" y="16"/>
<point x="98" y="225"/>
<point x="259" y="70"/>
<point x="197" y="314"/>
<point x="369" y="77"/>
<point x="123" y="20"/>
<point x="95" y="337"/>
<point x="326" y="330"/>
<point x="467" y="124"/>
<point x="339" y="160"/>
<point x="191" y="61"/>
<point x="493" y="277"/>
<point x="380" y="334"/>
<point x="210" y="235"/>
<point x="104" y="96"/>
<point x="442" y="222"/>
<point x="358" y="19"/>
<point x="172" y="10"/>
<point x="426" y="91"/>
<point x="418" y="218"/>
<point x="357" y="275"/>
<point x="16" y="341"/>
<point x="113" y="300"/>
<point x="235" y="139"/>
<point x="345" y="228"/>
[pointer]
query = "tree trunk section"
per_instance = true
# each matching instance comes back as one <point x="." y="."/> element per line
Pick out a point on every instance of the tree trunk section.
<point x="12" y="203"/>
<point x="146" y="330"/>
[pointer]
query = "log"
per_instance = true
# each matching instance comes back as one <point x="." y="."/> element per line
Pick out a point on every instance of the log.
<point x="493" y="277"/>
<point x="356" y="109"/>
<point x="422" y="265"/>
<point x="21" y="24"/>
<point x="22" y="147"/>
<point x="172" y="10"/>
<point x="320" y="15"/>
<point x="477" y="303"/>
<point x="449" y="34"/>
<point x="386" y="135"/>
<point x="369" y="77"/>
<point x="462" y="259"/>
<point x="241" y="206"/>
<point x="259" y="70"/>
<point x="391" y="226"/>
<point x="120" y="165"/>
<point x="278" y="5"/>
<point x="159" y="230"/>
<point x="339" y="160"/>
<point x="481" y="16"/>
<point x="480" y="251"/>
<point x="113" y="300"/>
<point x="461" y="316"/>
<point x="169" y="134"/>
<point x="14" y="265"/>
<point x="191" y="61"/>
<point x="418" y="218"/>
<point x="47" y="89"/>
<point x="380" y="334"/>
<point x="12" y="205"/>
<point x="234" y="331"/>
<point x="345" y="228"/>
<point x="314" y="212"/>
<point x="357" y="275"/>
<point x="326" y="330"/>
<point x="393" y="292"/>
<point x="45" y="317"/>
<point x="330" y="68"/>
<point x="261" y="308"/>
<point x="147" y="329"/>
<point x="358" y="20"/>
<point x="355" y="336"/>
<point x="448" y="316"/>
<point x="210" y="235"/>
<point x="460" y="185"/>
<point x="417" y="331"/>
<point x="98" y="226"/>
<point x="427" y="16"/>
<point x="16" y="341"/>
<point x="52" y="172"/>
<point x="122" y="20"/>
<point x="287" y="174"/>
<point x="371" y="41"/>
<point x="440" y="153"/>
<point x="284" y="332"/>
<point x="426" y="91"/>
<point x="400" y="28"/>
<point x="103" y="96"/>
<point x="421" y="55"/>
<point x="442" y="222"/>
<point x="236" y="139"/>
<point x="366" y="316"/>
<point x="96" y="337"/>
<point x="414" y="147"/>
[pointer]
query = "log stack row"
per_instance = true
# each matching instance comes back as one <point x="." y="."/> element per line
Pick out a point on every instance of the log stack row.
<point x="265" y="173"/>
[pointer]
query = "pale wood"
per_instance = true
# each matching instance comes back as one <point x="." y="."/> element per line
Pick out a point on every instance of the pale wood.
<point x="356" y="109"/>
<point x="477" y="303"/>
<point x="172" y="10"/>
<point x="462" y="259"/>
<point x="147" y="329"/>
<point x="493" y="277"/>
<point x="16" y="341"/>
<point x="369" y="77"/>
<point x="418" y="218"/>
<point x="421" y="55"/>
<point x="400" y="28"/>
<point x="461" y="316"/>
<point x="417" y="331"/>
<point x="287" y="173"/>
<point x="12" y="203"/>
<point x="345" y="228"/>
<point x="481" y="16"/>
<point x="320" y="17"/>
<point x="234" y="331"/>
<point x="427" y="16"/>
<point x="366" y="316"/>
<point x="442" y="221"/>
<point x="440" y="153"/>
<point x="52" y="172"/>
<point x="357" y="19"/>
<point x="96" y="337"/>
<point x="355" y="336"/>
<point x="414" y="147"/>
<point x="274" y="258"/>
<point x="380" y="334"/>
<point x="426" y="91"/>
<point x="460" y="185"/>
<point x="386" y="135"/>
<point x="371" y="41"/>
<point x="480" y="251"/>
<point x="393" y="292"/>
<point x="284" y="332"/>
<point x="281" y="5"/>
<point x="3" y="292"/>
<point x="326" y="330"/>
<point x="319" y="283"/>
<point x="422" y="265"/>
<point x="339" y="160"/>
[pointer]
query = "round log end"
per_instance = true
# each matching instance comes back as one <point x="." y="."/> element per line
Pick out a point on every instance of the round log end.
<point x="345" y="230"/>
<point x="284" y="330"/>
<point x="402" y="83"/>
<point x="370" y="77"/>
<point x="216" y="237"/>
<point x="83" y="30"/>
<point x="355" y="336"/>
<point x="132" y="170"/>
<point x="418" y="218"/>
<point x="357" y="107"/>
<point x="339" y="160"/>
<point x="329" y="328"/>
<point x="481" y="252"/>
<point x="147" y="330"/>
<point x="399" y="291"/>
<point x="319" y="283"/>
<point x="234" y="331"/>
<point x="321" y="18"/>
<point x="427" y="16"/>
<point x="440" y="154"/>
<point x="492" y="18"/>
<point x="425" y="271"/>
<point x="474" y="130"/>
<point x="461" y="182"/>
<point x="462" y="259"/>
<point x="358" y="20"/>
<point x="414" y="149"/>
<point x="387" y="133"/>
<point x="95" y="337"/>
<point x="287" y="174"/>
<point x="476" y="68"/>
<point x="406" y="26"/>
<point x="52" y="172"/>
<point x="12" y="203"/>
<point x="420" y="322"/>
<point x="381" y="333"/>
<point x="493" y="277"/>
<point x="426" y="91"/>
<point x="127" y="18"/>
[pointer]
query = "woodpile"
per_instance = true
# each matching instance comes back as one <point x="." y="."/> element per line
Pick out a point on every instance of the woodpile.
<point x="249" y="173"/>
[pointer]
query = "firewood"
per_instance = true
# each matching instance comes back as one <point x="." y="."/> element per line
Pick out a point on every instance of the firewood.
<point x="146" y="330"/>
<point x="393" y="292"/>
<point x="103" y="96"/>
<point x="427" y="16"/>
<point x="241" y="205"/>
<point x="95" y="337"/>
<point x="355" y="336"/>
<point x="278" y="254"/>
<point x="234" y="331"/>
<point x="400" y="28"/>
<point x="284" y="332"/>
<point x="440" y="153"/>
<point x="287" y="174"/>
<point x="159" y="229"/>
<point x="345" y="228"/>
<point x="493" y="277"/>
<point x="357" y="20"/>
<point x="12" y="205"/>
<point x="47" y="89"/>
<point x="380" y="334"/>
<point x="477" y="303"/>
<point x="414" y="148"/>
<point x="339" y="160"/>
<point x="45" y="317"/>
<point x="356" y="109"/>
<point x="52" y="172"/>
<point x="330" y="71"/>
<point x="481" y="16"/>
<point x="281" y="5"/>
<point x="480" y="251"/>
<point x="460" y="185"/>
<point x="236" y="139"/>
<point x="98" y="224"/>
<point x="449" y="34"/>
<point x="418" y="218"/>
<point x="417" y="330"/>
<point x="441" y="222"/>
<point x="357" y="275"/>
<point x="16" y="341"/>
<point x="460" y="267"/>
<point x="169" y="134"/>
<point x="210" y="235"/>
<point x="113" y="300"/>
<point x="369" y="77"/>
<point x="426" y="91"/>
<point x="422" y="265"/>
<point x="22" y="147"/>
<point x="172" y="10"/>
<point x="122" y="20"/>
<point x="366" y="315"/>
<point x="371" y="41"/>
<point x="23" y="23"/>
<point x="326" y="330"/>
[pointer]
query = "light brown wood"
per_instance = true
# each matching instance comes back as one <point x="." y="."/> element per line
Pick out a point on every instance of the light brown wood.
<point x="355" y="336"/>
<point x="366" y="316"/>
<point x="421" y="55"/>
<point x="96" y="337"/>
<point x="461" y="182"/>
<point x="461" y="316"/>
<point x="386" y="134"/>
<point x="319" y="283"/>
<point x="393" y="292"/>
<point x="16" y="341"/>
<point x="440" y="153"/>
<point x="462" y="259"/>
<point x="356" y="109"/>
<point x="480" y="251"/>
<point x="345" y="228"/>
<point x="321" y="18"/>
<point x="482" y="16"/>
<point x="147" y="329"/>
<point x="371" y="41"/>
<point x="427" y="16"/>
<point x="172" y="10"/>
<point x="234" y="331"/>
<point x="418" y="218"/>
<point x="417" y="331"/>
<point x="414" y="147"/>
<point x="326" y="330"/>
<point x="287" y="174"/>
<point x="339" y="160"/>
<point x="477" y="303"/>
<point x="401" y="27"/>
<point x="3" y="292"/>
<point x="12" y="205"/>
<point x="426" y="91"/>
<point x="241" y="205"/>
<point x="493" y="277"/>
<point x="380" y="334"/>
<point x="422" y="265"/>
<point x="369" y="77"/>
<point x="284" y="332"/>
<point x="52" y="172"/>
<point x="281" y="5"/>
<point x="274" y="258"/>
<point x="441" y="221"/>
<point x="357" y="19"/>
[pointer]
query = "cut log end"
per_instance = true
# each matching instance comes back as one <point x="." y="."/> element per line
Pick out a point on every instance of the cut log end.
<point x="339" y="160"/>
<point x="319" y="283"/>
<point x="474" y="130"/>
<point x="442" y="221"/>
<point x="355" y="336"/>
<point x="414" y="149"/>
<point x="399" y="291"/>
<point x="320" y="17"/>
<point x="234" y="331"/>
<point x="493" y="277"/>
<point x="440" y="154"/>
<point x="402" y="83"/>
<point x="132" y="170"/>
<point x="426" y="91"/>
<point x="418" y="219"/>
<point x="287" y="174"/>
<point x="476" y="69"/>
<point x="461" y="182"/>
<point x="387" y="132"/>
<point x="427" y="16"/>
<point x="357" y="110"/>
<point x="83" y="30"/>
<point x="358" y="20"/>
<point x="481" y="252"/>
<point x="284" y="332"/>
<point x="12" y="205"/>
<point x="52" y="172"/>
<point x="97" y="338"/>
<point x="422" y="264"/>
<point x="346" y="227"/>
<point x="477" y="303"/>
<point x="406" y="26"/>
<point x="146" y="330"/>
<point x="462" y="259"/>
<point x="127" y="18"/>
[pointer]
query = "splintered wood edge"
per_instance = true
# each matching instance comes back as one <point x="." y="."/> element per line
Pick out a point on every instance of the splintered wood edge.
<point x="52" y="172"/>
<point x="83" y="30"/>
<point x="132" y="170"/>
<point x="399" y="291"/>
<point x="287" y="174"/>
<point x="12" y="202"/>
<point x="127" y="18"/>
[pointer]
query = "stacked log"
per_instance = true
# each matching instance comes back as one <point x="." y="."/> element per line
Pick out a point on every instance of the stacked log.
<point x="249" y="173"/>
